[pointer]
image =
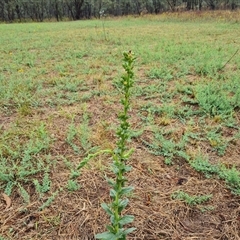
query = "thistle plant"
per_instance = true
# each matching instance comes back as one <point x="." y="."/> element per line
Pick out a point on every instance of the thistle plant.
<point x="121" y="154"/>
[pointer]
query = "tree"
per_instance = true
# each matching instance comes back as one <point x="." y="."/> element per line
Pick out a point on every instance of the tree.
<point x="172" y="4"/>
<point x="74" y="7"/>
<point x="193" y="4"/>
<point x="211" y="4"/>
<point x="38" y="10"/>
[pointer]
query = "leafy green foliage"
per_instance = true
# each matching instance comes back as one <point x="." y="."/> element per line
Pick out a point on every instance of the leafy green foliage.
<point x="232" y="178"/>
<point x="201" y="164"/>
<point x="161" y="73"/>
<point x="230" y="175"/>
<point x="72" y="132"/>
<point x="213" y="99"/>
<point x="49" y="201"/>
<point x="72" y="185"/>
<point x="21" y="163"/>
<point x="84" y="130"/>
<point x="79" y="134"/>
<point x="24" y="194"/>
<point x="45" y="186"/>
<point x="190" y="200"/>
<point x="167" y="147"/>
<point x="92" y="155"/>
<point x="217" y="141"/>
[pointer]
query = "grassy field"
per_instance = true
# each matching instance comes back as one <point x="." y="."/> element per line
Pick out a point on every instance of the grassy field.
<point x="59" y="101"/>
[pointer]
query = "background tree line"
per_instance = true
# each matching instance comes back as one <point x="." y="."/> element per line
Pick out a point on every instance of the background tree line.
<point x="38" y="10"/>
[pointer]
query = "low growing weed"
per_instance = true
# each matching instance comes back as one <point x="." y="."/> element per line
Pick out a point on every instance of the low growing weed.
<point x="167" y="148"/>
<point x="217" y="141"/>
<point x="73" y="172"/>
<point x="49" y="201"/>
<point x="72" y="185"/>
<point x="214" y="100"/>
<point x="45" y="186"/>
<point x="160" y="73"/>
<point x="189" y="199"/>
<point x="167" y="111"/>
<point x="79" y="134"/>
<point x="201" y="164"/>
<point x="71" y="134"/>
<point x="21" y="162"/>
<point x="231" y="176"/>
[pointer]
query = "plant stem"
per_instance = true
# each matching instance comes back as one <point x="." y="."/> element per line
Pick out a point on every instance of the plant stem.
<point x="123" y="135"/>
<point x="120" y="157"/>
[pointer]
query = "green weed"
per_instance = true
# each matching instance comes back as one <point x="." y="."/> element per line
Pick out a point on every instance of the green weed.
<point x="85" y="131"/>
<point x="167" y="148"/>
<point x="73" y="172"/>
<point x="45" y="186"/>
<point x="119" y="167"/>
<point x="230" y="175"/>
<point x="214" y="100"/>
<point x="201" y="164"/>
<point x="49" y="201"/>
<point x="24" y="194"/>
<point x="189" y="199"/>
<point x="80" y="133"/>
<point x="160" y="73"/>
<point x="217" y="141"/>
<point x="72" y="185"/>
<point x="20" y="163"/>
<point x="71" y="134"/>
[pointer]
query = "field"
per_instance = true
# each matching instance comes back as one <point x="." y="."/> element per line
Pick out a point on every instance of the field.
<point x="59" y="101"/>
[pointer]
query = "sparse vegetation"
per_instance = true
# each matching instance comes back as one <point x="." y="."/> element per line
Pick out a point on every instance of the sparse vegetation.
<point x="59" y="105"/>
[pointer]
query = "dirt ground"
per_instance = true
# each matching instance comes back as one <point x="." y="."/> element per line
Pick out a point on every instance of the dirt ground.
<point x="78" y="215"/>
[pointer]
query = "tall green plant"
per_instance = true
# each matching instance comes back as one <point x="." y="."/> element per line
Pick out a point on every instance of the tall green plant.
<point x="116" y="230"/>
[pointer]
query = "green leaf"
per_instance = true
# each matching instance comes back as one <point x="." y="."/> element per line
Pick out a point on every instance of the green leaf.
<point x="126" y="219"/>
<point x="129" y="153"/>
<point x="129" y="230"/>
<point x="110" y="228"/>
<point x="6" y="177"/>
<point x="113" y="221"/>
<point x="123" y="202"/>
<point x="110" y="181"/>
<point x="107" y="208"/>
<point x="106" y="236"/>
<point x="9" y="188"/>
<point x="113" y="193"/>
<point x="127" y="168"/>
<point x="126" y="190"/>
